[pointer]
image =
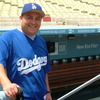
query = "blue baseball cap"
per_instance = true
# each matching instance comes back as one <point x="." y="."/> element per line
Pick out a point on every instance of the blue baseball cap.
<point x="32" y="7"/>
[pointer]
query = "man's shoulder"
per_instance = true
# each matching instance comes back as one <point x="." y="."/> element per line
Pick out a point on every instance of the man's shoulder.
<point x="8" y="35"/>
<point x="9" y="32"/>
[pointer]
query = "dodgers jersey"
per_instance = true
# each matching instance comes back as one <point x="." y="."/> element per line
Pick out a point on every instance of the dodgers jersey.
<point x="26" y="61"/>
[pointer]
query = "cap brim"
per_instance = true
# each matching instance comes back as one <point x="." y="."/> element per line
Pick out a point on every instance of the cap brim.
<point x="38" y="11"/>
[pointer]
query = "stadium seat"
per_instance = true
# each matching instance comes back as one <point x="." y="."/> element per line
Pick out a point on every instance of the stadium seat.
<point x="13" y="11"/>
<point x="19" y="11"/>
<point x="31" y="1"/>
<point x="1" y="5"/>
<point x="25" y="1"/>
<point x="7" y="1"/>
<point x="5" y="10"/>
<point x="2" y="0"/>
<point x="20" y="3"/>
<point x="14" y="3"/>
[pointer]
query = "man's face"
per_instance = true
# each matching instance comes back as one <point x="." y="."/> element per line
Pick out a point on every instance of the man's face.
<point x="30" y="23"/>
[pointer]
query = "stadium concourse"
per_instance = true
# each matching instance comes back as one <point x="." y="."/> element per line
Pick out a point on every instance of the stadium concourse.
<point x="68" y="12"/>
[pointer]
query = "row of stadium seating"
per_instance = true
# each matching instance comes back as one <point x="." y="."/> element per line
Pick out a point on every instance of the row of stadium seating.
<point x="14" y="21"/>
<point x="58" y="12"/>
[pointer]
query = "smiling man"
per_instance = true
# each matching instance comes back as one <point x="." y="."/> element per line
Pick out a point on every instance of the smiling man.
<point x="24" y="55"/>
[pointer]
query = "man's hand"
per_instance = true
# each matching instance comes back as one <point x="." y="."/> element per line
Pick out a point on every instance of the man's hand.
<point x="48" y="96"/>
<point x="11" y="90"/>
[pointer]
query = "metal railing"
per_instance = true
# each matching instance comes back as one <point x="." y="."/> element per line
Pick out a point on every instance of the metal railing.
<point x="80" y="87"/>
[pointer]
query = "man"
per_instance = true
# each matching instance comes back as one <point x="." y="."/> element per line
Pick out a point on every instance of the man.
<point x="24" y="55"/>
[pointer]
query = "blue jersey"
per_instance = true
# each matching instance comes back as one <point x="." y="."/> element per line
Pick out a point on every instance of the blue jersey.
<point x="26" y="61"/>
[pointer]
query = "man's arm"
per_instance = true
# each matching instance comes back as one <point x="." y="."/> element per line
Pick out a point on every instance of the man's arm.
<point x="9" y="88"/>
<point x="48" y="95"/>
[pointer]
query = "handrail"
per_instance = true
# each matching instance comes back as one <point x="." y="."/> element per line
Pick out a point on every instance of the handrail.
<point x="80" y="87"/>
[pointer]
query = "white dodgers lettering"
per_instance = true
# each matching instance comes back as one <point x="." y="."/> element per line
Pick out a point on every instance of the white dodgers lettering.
<point x="27" y="66"/>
